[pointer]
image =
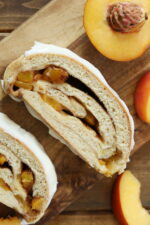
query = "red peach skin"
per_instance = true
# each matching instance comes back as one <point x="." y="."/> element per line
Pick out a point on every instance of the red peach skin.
<point x="126" y="201"/>
<point x="142" y="98"/>
<point x="116" y="203"/>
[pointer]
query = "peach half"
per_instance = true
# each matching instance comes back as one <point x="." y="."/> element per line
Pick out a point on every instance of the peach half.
<point x="119" y="29"/>
<point x="142" y="98"/>
<point x="126" y="202"/>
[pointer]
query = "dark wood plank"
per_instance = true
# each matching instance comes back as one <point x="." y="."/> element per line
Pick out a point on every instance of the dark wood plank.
<point x="97" y="218"/>
<point x="14" y="12"/>
<point x="3" y="35"/>
<point x="83" y="218"/>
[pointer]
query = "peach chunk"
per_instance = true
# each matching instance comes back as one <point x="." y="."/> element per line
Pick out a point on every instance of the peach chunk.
<point x="90" y="119"/>
<point x="37" y="203"/>
<point x="3" y="185"/>
<point x="26" y="76"/>
<point x="56" y="75"/>
<point x="10" y="221"/>
<point x="126" y="201"/>
<point x="52" y="102"/>
<point x="2" y="159"/>
<point x="142" y="98"/>
<point x="20" y="84"/>
<point x="27" y="179"/>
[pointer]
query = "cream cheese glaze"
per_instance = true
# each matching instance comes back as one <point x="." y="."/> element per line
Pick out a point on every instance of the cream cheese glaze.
<point x="34" y="146"/>
<point x="41" y="48"/>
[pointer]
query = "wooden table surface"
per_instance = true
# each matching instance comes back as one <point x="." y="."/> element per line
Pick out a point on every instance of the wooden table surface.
<point x="94" y="208"/>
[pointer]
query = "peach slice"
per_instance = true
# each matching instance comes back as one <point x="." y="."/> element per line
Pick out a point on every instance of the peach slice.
<point x="142" y="98"/>
<point x="120" y="33"/>
<point x="126" y="201"/>
<point x="3" y="185"/>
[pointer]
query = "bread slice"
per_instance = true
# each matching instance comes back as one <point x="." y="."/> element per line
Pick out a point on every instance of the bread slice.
<point x="27" y="176"/>
<point x="71" y="97"/>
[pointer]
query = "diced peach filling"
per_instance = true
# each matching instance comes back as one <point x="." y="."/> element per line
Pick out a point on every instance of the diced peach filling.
<point x="52" y="102"/>
<point x="3" y="185"/>
<point x="26" y="76"/>
<point x="27" y="179"/>
<point x="23" y="85"/>
<point x="90" y="119"/>
<point x="10" y="221"/>
<point x="109" y="161"/>
<point x="54" y="75"/>
<point x="37" y="203"/>
<point x="2" y="159"/>
<point x="102" y="162"/>
<point x="40" y="77"/>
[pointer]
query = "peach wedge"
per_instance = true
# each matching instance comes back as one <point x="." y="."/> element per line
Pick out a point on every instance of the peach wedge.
<point x="142" y="98"/>
<point x="126" y="201"/>
<point x="119" y="29"/>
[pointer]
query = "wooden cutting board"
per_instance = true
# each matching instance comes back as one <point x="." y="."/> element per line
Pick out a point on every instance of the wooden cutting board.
<point x="61" y="23"/>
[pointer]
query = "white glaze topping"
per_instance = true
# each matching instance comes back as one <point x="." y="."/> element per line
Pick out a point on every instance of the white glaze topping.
<point x="30" y="141"/>
<point x="41" y="48"/>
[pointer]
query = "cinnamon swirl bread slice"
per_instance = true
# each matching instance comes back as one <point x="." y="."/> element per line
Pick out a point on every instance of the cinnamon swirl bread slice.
<point x="72" y="98"/>
<point x="27" y="176"/>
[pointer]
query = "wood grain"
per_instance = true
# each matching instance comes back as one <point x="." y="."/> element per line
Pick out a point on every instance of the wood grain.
<point x="97" y="218"/>
<point x="3" y="35"/>
<point x="14" y="12"/>
<point x="62" y="24"/>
